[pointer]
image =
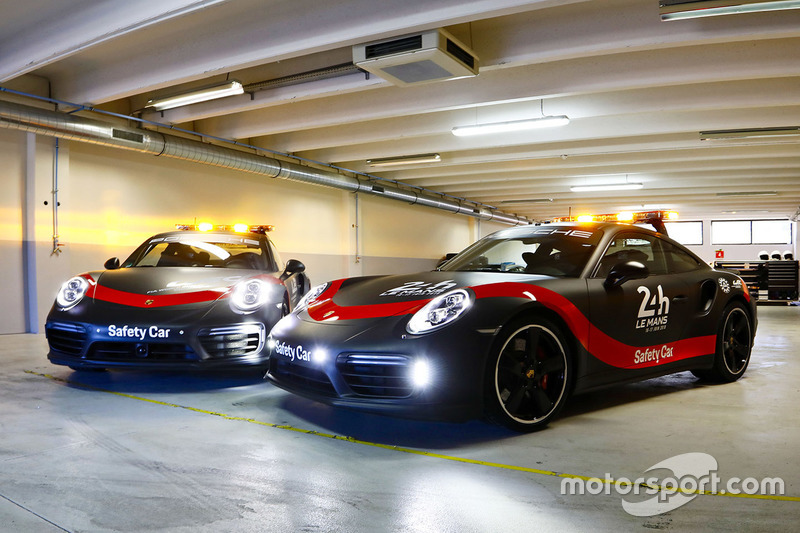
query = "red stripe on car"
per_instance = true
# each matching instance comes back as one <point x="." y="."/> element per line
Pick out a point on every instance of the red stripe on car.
<point x="323" y="308"/>
<point x="596" y="342"/>
<point x="98" y="292"/>
<point x="599" y="344"/>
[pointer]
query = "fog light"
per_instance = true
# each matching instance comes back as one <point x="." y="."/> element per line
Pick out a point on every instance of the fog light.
<point x="319" y="356"/>
<point x="421" y="374"/>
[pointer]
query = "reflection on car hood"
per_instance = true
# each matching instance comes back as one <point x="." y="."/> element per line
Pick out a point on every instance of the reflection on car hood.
<point x="160" y="286"/>
<point x="420" y="286"/>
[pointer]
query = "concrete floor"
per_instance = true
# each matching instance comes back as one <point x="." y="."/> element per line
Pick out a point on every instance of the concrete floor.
<point x="131" y="451"/>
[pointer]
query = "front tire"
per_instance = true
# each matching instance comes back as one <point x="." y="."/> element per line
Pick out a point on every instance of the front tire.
<point x="528" y="376"/>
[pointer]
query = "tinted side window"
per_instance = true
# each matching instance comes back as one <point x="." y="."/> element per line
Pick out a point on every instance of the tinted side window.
<point x="679" y="260"/>
<point x="625" y="247"/>
<point x="277" y="264"/>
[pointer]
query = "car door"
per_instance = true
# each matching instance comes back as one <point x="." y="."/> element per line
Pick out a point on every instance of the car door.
<point x="636" y="324"/>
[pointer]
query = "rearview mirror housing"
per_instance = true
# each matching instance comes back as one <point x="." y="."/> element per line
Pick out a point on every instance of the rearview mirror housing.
<point x="622" y="272"/>
<point x="293" y="266"/>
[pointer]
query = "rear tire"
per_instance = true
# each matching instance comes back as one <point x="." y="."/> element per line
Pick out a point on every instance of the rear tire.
<point x="528" y="375"/>
<point x="734" y="345"/>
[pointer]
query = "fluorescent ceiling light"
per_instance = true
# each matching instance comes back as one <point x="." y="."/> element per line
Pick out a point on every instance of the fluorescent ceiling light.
<point x="749" y="193"/>
<point x="514" y="125"/>
<point x="752" y="133"/>
<point x="528" y="201"/>
<point x="404" y="160"/>
<point x="229" y="88"/>
<point x="607" y="187"/>
<point x="689" y="9"/>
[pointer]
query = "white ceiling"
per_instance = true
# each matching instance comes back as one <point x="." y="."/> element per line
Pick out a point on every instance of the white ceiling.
<point x="637" y="91"/>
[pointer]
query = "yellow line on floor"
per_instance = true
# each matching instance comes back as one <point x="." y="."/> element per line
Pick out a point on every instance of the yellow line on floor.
<point x="412" y="450"/>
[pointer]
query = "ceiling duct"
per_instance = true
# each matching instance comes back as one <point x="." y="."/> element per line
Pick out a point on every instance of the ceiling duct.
<point x="417" y="58"/>
<point x="66" y="126"/>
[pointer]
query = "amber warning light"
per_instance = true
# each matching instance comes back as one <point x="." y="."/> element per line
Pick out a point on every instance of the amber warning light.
<point x="624" y="216"/>
<point x="238" y="228"/>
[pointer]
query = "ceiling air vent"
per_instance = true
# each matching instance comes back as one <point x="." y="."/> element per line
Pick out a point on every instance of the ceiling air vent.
<point x="419" y="58"/>
<point x="127" y="135"/>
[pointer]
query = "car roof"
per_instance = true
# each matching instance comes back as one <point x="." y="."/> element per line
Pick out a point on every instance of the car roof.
<point x="587" y="226"/>
<point x="608" y="228"/>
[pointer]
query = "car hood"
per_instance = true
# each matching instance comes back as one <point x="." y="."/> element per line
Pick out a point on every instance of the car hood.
<point x="161" y="286"/>
<point x="377" y="296"/>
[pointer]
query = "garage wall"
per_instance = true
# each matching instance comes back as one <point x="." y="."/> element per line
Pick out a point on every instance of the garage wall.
<point x="388" y="225"/>
<point x="111" y="200"/>
<point x="12" y="186"/>
<point x="738" y="252"/>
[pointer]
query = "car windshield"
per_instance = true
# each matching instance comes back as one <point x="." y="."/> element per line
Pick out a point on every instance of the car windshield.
<point x="551" y="251"/>
<point x="195" y="250"/>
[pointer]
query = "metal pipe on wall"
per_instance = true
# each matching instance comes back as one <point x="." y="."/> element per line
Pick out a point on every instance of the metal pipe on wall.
<point x="29" y="238"/>
<point x="83" y="129"/>
<point x="56" y="203"/>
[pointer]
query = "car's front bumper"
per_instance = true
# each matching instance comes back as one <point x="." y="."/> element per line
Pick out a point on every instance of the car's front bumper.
<point x="81" y="345"/>
<point x="369" y="365"/>
<point x="99" y="335"/>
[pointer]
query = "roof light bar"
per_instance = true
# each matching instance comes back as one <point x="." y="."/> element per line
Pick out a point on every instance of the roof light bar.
<point x="238" y="228"/>
<point x="624" y="216"/>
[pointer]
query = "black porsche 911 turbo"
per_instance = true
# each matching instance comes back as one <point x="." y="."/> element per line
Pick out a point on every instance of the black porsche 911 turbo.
<point x="183" y="299"/>
<point x="515" y="324"/>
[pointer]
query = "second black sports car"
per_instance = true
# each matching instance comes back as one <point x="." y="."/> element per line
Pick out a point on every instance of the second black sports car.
<point x="516" y="323"/>
<point x="183" y="299"/>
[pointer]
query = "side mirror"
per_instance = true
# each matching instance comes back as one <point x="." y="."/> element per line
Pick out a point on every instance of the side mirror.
<point x="293" y="266"/>
<point x="622" y="272"/>
<point x="112" y="264"/>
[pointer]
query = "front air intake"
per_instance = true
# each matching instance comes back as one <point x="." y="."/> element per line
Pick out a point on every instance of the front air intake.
<point x="419" y="58"/>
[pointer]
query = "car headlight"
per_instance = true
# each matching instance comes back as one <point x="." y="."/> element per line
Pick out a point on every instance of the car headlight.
<point x="310" y="296"/>
<point x="439" y="312"/>
<point x="249" y="295"/>
<point x="71" y="293"/>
